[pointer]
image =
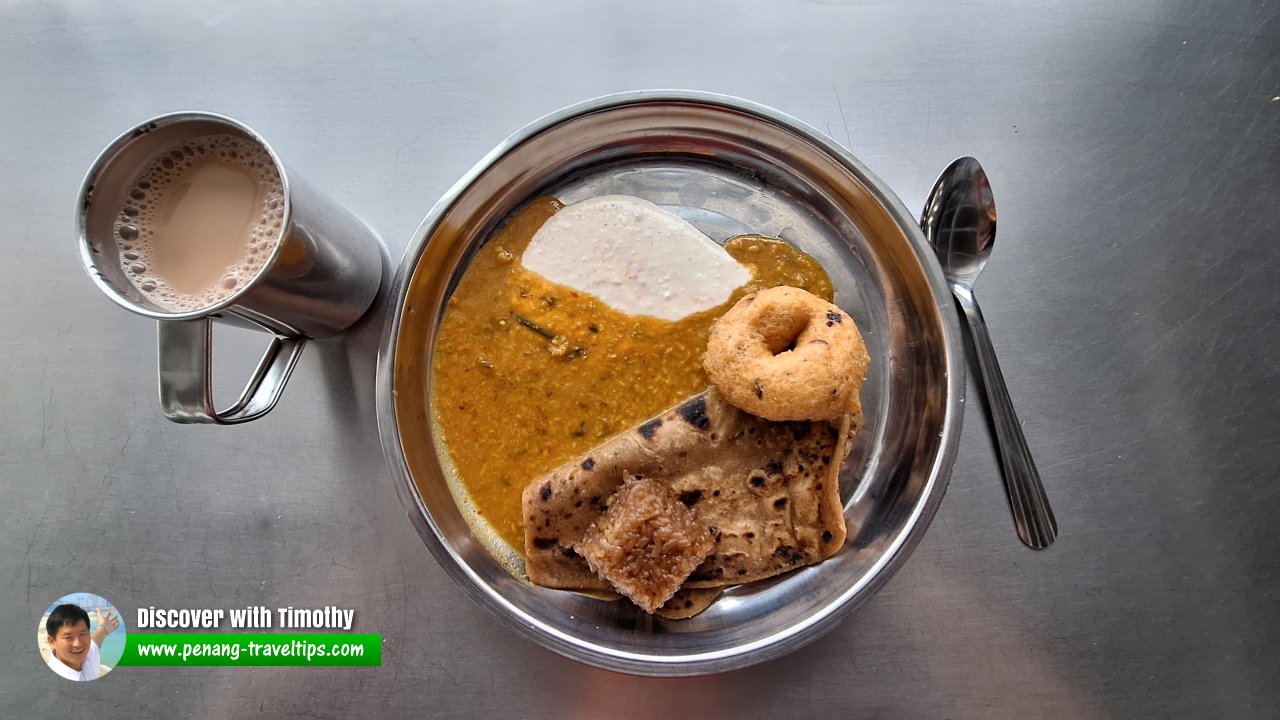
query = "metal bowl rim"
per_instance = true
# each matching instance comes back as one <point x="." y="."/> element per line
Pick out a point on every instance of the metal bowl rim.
<point x="739" y="656"/>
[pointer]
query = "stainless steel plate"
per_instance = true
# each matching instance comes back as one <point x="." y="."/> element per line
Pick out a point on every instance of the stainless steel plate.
<point x="728" y="166"/>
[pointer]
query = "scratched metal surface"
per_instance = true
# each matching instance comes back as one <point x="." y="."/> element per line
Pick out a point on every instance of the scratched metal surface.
<point x="1135" y="157"/>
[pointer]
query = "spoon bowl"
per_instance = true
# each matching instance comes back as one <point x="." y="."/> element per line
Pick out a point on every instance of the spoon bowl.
<point x="960" y="221"/>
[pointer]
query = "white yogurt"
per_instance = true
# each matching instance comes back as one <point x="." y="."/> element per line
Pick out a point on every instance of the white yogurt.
<point x="635" y="256"/>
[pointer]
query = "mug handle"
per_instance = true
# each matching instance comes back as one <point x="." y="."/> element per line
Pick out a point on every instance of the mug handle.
<point x="186" y="380"/>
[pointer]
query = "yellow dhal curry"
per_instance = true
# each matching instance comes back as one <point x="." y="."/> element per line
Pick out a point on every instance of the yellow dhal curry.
<point x="529" y="374"/>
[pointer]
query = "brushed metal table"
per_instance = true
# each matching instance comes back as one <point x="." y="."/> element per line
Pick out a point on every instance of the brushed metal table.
<point x="1135" y="155"/>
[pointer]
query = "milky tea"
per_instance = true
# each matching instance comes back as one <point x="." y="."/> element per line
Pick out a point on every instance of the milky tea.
<point x="200" y="221"/>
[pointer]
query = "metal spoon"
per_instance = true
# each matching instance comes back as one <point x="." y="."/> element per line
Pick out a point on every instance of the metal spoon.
<point x="959" y="221"/>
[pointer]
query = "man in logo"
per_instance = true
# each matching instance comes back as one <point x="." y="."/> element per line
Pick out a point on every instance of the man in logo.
<point x="76" y="651"/>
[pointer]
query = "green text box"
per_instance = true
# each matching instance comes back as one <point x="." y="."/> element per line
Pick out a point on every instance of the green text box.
<point x="259" y="649"/>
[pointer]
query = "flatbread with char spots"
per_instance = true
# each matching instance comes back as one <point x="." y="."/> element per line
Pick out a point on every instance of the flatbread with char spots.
<point x="768" y="492"/>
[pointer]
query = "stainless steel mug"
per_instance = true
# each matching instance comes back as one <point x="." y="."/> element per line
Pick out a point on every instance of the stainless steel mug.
<point x="321" y="276"/>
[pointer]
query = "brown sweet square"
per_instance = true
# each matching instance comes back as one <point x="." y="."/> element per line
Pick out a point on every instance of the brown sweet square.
<point x="646" y="543"/>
